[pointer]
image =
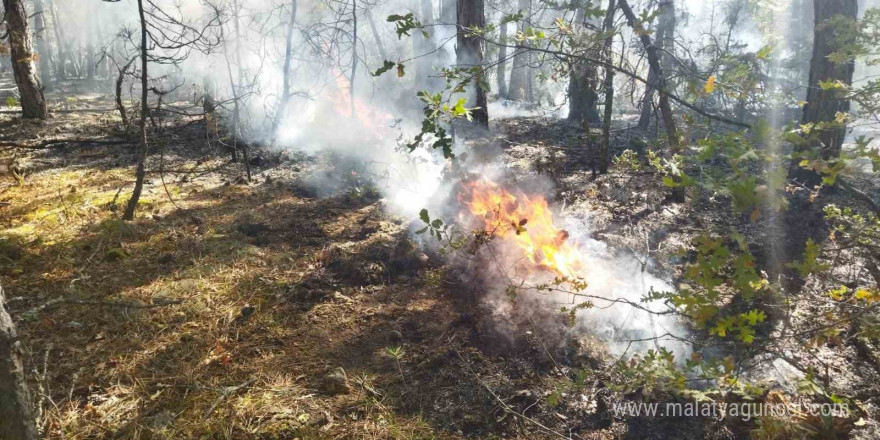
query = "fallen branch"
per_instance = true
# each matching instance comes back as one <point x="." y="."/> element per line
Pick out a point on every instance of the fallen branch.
<point x="88" y="302"/>
<point x="861" y="195"/>
<point x="64" y="111"/>
<point x="49" y="142"/>
<point x="507" y="407"/>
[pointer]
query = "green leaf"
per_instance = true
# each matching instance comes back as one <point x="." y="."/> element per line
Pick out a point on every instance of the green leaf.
<point x="423" y="214"/>
<point x="386" y="66"/>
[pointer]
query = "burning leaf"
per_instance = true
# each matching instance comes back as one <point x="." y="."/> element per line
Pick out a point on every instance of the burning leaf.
<point x="710" y="84"/>
<point x="500" y="213"/>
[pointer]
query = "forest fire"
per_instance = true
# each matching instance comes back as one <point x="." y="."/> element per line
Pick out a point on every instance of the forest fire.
<point x="526" y="221"/>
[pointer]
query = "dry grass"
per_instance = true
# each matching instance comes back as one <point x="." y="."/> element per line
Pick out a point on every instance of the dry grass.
<point x="190" y="361"/>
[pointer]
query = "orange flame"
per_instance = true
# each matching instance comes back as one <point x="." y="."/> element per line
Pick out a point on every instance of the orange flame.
<point x="525" y="221"/>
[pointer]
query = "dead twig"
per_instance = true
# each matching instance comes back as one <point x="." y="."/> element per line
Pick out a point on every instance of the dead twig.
<point x="507" y="407"/>
<point x="228" y="391"/>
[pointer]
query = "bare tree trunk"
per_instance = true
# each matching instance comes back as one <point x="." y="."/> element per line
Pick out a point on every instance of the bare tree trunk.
<point x="583" y="78"/>
<point x="145" y="110"/>
<point x="61" y="60"/>
<point x="422" y="45"/>
<point x="33" y="105"/>
<point x="470" y="53"/>
<point x="502" y="63"/>
<point x="660" y="85"/>
<point x="379" y="44"/>
<point x="518" y="74"/>
<point x="823" y="105"/>
<point x="607" y="27"/>
<point x="448" y="11"/>
<point x="119" y="80"/>
<point x="354" y="53"/>
<point x="90" y="43"/>
<point x="664" y="37"/>
<point x="236" y="87"/>
<point x="286" y="79"/>
<point x="16" y="408"/>
<point x="42" y="46"/>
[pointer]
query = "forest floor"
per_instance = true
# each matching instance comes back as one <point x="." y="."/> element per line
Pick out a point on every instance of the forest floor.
<point x="231" y="309"/>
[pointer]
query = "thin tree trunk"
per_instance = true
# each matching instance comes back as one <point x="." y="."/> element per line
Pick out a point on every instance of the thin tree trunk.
<point x="518" y="83"/>
<point x="285" y="75"/>
<point x="379" y="44"/>
<point x="604" y="149"/>
<point x="422" y="45"/>
<point x="823" y="105"/>
<point x="16" y="407"/>
<point x="665" y="109"/>
<point x="502" y="64"/>
<point x="33" y="105"/>
<point x="90" y="43"/>
<point x="354" y="54"/>
<point x="145" y="110"/>
<point x="470" y="53"/>
<point x="42" y="46"/>
<point x="61" y="61"/>
<point x="236" y="86"/>
<point x="664" y="37"/>
<point x="119" y="80"/>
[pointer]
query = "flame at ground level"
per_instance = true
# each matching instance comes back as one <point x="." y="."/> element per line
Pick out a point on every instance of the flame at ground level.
<point x="526" y="221"/>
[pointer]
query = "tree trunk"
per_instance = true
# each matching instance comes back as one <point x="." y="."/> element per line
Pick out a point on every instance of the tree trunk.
<point x="518" y="74"/>
<point x="608" y="28"/>
<point x="145" y="110"/>
<point x="470" y="53"/>
<point x="665" y="37"/>
<point x="422" y="45"/>
<point x="285" y="74"/>
<point x="501" y="71"/>
<point x="61" y="59"/>
<point x="449" y="11"/>
<point x="823" y="105"/>
<point x="33" y="105"/>
<point x="42" y="46"/>
<point x="379" y="44"/>
<point x="660" y="85"/>
<point x="16" y="408"/>
<point x="90" y="42"/>
<point x="237" y="95"/>
<point x="582" y="82"/>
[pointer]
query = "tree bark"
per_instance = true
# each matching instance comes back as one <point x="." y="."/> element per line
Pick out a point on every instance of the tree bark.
<point x="42" y="46"/>
<point x="582" y="82"/>
<point x="90" y="42"/>
<point x="501" y="69"/>
<point x="665" y="109"/>
<point x="379" y="44"/>
<point x="470" y="53"/>
<point x="145" y="110"/>
<point x="422" y="45"/>
<point x="61" y="58"/>
<point x="608" y="28"/>
<point x="665" y="36"/>
<point x="518" y="90"/>
<point x="33" y="104"/>
<point x="16" y="407"/>
<point x="823" y="105"/>
<point x="285" y="74"/>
